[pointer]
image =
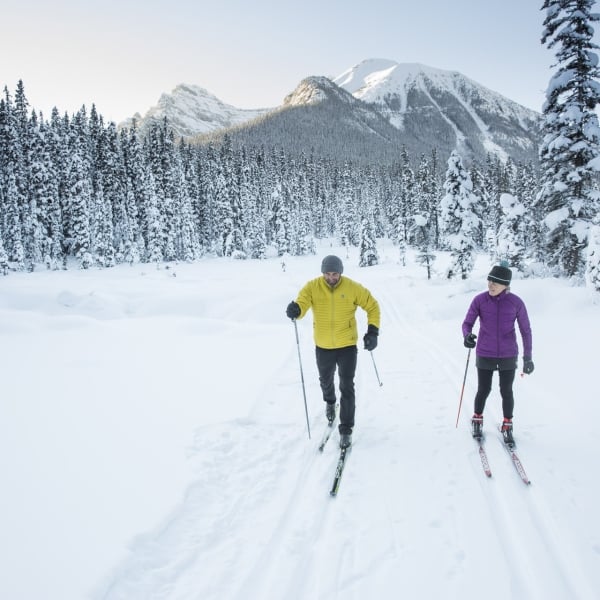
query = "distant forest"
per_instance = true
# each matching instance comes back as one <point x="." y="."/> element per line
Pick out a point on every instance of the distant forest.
<point x="73" y="187"/>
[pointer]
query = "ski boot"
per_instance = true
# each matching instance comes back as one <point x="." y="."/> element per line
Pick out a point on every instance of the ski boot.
<point x="477" y="426"/>
<point x="345" y="440"/>
<point x="507" y="432"/>
<point x="330" y="412"/>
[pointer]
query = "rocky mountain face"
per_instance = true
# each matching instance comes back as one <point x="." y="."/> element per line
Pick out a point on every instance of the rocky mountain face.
<point x="319" y="118"/>
<point x="192" y="110"/>
<point x="368" y="114"/>
<point x="429" y="104"/>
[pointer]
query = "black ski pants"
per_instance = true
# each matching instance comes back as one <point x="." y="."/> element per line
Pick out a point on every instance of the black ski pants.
<point x="484" y="387"/>
<point x="345" y="361"/>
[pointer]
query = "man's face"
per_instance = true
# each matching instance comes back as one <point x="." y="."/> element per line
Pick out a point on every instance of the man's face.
<point x="332" y="278"/>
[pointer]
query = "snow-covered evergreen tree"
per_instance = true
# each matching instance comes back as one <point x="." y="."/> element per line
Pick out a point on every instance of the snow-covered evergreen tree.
<point x="154" y="221"/>
<point x="570" y="149"/>
<point x="348" y="224"/>
<point x="407" y="197"/>
<point x="368" y="244"/>
<point x="79" y="192"/>
<point x="458" y="217"/>
<point x="487" y="211"/>
<point x="592" y="273"/>
<point x="423" y="236"/>
<point x="134" y="206"/>
<point x="425" y="206"/>
<point x="525" y="188"/>
<point x="511" y="233"/>
<point x="101" y="226"/>
<point x="14" y="230"/>
<point x="3" y="257"/>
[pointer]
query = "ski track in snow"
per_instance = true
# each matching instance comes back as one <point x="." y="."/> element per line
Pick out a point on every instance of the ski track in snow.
<point x="286" y="538"/>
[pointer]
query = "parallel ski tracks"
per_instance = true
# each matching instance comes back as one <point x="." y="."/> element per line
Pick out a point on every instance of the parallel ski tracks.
<point x="305" y="515"/>
<point x="518" y="513"/>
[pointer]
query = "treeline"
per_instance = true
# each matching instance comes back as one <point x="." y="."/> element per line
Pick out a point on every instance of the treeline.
<point x="73" y="187"/>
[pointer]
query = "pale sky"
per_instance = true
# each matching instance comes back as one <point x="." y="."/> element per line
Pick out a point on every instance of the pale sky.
<point x="122" y="55"/>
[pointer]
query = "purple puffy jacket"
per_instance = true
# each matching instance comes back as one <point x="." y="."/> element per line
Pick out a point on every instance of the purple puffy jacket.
<point x="497" y="316"/>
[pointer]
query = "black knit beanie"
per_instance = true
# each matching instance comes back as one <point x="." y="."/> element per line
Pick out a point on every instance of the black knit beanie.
<point x="332" y="264"/>
<point x="500" y="274"/>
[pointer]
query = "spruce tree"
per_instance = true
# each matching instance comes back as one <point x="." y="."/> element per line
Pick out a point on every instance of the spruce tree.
<point x="423" y="236"/>
<point x="368" y="244"/>
<point x="3" y="258"/>
<point x="511" y="234"/>
<point x="569" y="152"/>
<point x="79" y="192"/>
<point x="592" y="273"/>
<point x="458" y="217"/>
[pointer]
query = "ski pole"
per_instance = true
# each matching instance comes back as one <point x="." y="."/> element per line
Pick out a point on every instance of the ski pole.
<point x="302" y="377"/>
<point x="375" y="367"/>
<point x="463" y="386"/>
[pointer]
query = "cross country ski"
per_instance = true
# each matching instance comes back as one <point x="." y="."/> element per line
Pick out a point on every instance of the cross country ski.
<point x="510" y="448"/>
<point x="339" y="470"/>
<point x="483" y="456"/>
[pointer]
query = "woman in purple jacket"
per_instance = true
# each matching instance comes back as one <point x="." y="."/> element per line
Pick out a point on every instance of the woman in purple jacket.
<point x="497" y="310"/>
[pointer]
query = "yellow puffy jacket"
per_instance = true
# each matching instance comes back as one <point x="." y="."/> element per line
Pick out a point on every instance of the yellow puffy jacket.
<point x="334" y="320"/>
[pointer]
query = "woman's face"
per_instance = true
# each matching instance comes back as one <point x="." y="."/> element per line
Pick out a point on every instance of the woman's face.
<point x="495" y="288"/>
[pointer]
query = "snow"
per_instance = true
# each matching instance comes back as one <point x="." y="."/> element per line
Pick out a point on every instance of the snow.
<point x="153" y="441"/>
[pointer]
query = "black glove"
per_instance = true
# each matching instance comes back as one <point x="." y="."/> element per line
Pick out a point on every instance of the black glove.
<point x="469" y="341"/>
<point x="527" y="365"/>
<point x="370" y="338"/>
<point x="293" y="310"/>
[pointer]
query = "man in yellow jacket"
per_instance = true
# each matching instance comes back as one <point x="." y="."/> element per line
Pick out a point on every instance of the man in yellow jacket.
<point x="334" y="300"/>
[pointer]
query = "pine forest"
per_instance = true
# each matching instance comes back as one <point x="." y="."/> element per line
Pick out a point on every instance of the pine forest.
<point x="77" y="191"/>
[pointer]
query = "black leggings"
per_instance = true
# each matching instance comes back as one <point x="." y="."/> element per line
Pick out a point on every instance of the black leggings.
<point x="484" y="387"/>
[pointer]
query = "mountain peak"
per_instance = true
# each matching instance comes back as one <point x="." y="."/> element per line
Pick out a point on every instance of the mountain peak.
<point x="430" y="103"/>
<point x="373" y="78"/>
<point x="315" y="89"/>
<point x="192" y="109"/>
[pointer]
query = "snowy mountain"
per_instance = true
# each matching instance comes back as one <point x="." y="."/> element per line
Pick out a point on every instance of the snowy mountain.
<point x="367" y="114"/>
<point x="321" y="118"/>
<point x="314" y="90"/>
<point x="192" y="110"/>
<point x="428" y="103"/>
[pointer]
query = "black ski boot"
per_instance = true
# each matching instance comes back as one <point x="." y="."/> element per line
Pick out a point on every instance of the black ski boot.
<point x="507" y="432"/>
<point x="345" y="440"/>
<point x="330" y="412"/>
<point x="477" y="426"/>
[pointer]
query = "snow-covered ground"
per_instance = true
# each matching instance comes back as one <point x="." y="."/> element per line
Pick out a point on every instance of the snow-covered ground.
<point x="153" y="442"/>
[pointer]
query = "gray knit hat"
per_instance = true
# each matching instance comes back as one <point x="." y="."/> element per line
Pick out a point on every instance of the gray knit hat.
<point x="500" y="274"/>
<point x="332" y="264"/>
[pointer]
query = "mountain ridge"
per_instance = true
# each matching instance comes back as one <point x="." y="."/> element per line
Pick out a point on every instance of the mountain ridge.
<point x="192" y="110"/>
<point x="404" y="105"/>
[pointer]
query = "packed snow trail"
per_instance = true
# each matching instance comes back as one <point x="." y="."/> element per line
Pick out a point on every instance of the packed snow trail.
<point x="414" y="508"/>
